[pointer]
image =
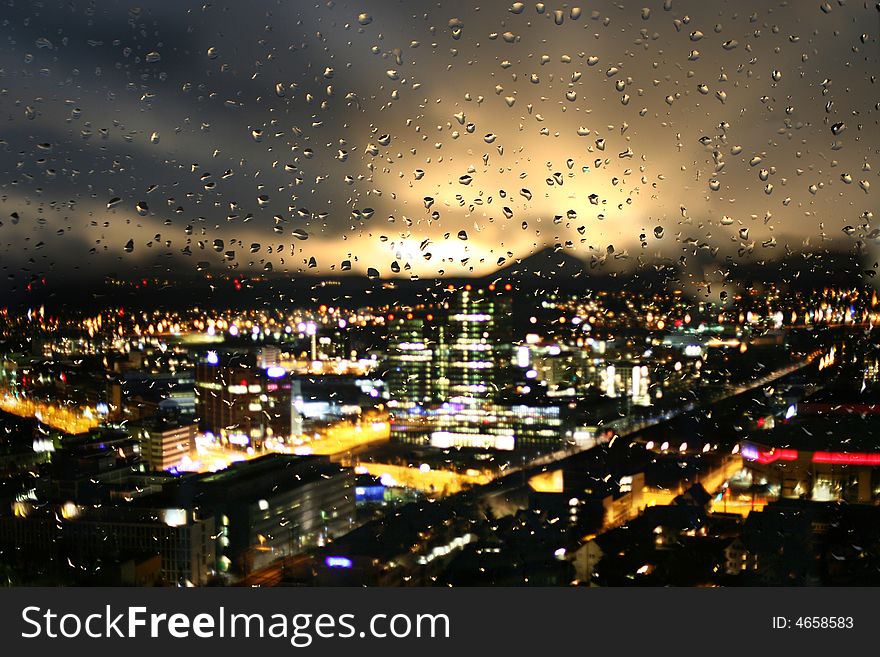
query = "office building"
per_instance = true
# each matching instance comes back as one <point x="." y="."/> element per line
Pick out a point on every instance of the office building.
<point x="270" y="506"/>
<point x="244" y="405"/>
<point x="166" y="441"/>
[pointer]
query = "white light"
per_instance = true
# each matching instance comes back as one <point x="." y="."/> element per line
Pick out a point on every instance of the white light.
<point x="174" y="517"/>
<point x="275" y="372"/>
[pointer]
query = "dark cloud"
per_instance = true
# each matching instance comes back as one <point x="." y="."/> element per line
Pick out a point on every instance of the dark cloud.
<point x="740" y="129"/>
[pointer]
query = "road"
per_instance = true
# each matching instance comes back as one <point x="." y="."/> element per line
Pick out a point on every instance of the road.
<point x="342" y="438"/>
<point x="274" y="574"/>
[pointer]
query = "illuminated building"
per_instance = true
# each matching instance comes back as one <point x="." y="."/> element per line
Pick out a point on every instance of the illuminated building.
<point x="271" y="506"/>
<point x="476" y="359"/>
<point x="478" y="349"/>
<point x="416" y="378"/>
<point x="628" y="380"/>
<point x="445" y="378"/>
<point x="166" y="441"/>
<point x="452" y="381"/>
<point x="97" y="538"/>
<point x="244" y="405"/>
<point x="820" y="450"/>
<point x="416" y="373"/>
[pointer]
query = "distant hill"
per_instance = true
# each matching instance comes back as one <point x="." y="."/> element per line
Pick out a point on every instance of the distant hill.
<point x="548" y="270"/>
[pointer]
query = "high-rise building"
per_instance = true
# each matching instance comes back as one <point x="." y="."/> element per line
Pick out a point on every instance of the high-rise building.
<point x="245" y="405"/>
<point x="452" y="380"/>
<point x="416" y="373"/>
<point x="477" y="355"/>
<point x="477" y="361"/>
<point x="414" y="342"/>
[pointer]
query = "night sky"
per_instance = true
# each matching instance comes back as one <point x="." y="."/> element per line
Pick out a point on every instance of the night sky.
<point x="431" y="139"/>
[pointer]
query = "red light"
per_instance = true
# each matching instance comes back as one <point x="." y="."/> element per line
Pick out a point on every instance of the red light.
<point x="773" y="455"/>
<point x="761" y="421"/>
<point x="508" y="287"/>
<point x="847" y="458"/>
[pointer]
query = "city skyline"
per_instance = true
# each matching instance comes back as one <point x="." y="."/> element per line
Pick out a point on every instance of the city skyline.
<point x="398" y="294"/>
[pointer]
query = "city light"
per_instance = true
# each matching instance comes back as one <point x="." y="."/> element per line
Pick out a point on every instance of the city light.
<point x="508" y="295"/>
<point x="338" y="562"/>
